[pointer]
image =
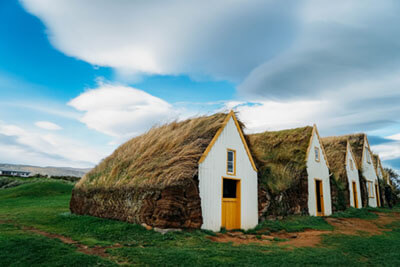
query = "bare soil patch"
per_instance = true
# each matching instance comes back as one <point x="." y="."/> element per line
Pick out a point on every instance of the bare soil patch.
<point x="312" y="238"/>
<point x="239" y="238"/>
<point x="308" y="238"/>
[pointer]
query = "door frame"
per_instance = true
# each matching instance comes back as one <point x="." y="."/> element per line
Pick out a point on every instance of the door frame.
<point x="322" y="213"/>
<point x="355" y="193"/>
<point x="378" y="199"/>
<point x="238" y="197"/>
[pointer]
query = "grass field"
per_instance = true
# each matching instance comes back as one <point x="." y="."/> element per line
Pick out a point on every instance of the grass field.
<point x="31" y="209"/>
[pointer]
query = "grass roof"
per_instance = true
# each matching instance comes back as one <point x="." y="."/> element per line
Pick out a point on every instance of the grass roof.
<point x="280" y="156"/>
<point x="336" y="150"/>
<point x="163" y="156"/>
<point x="357" y="144"/>
<point x="377" y="164"/>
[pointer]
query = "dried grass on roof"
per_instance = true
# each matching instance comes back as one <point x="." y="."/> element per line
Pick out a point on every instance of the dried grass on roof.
<point x="336" y="150"/>
<point x="163" y="156"/>
<point x="378" y="164"/>
<point x="280" y="156"/>
<point x="357" y="144"/>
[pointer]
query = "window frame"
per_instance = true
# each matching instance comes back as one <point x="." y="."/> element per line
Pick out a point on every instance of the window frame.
<point x="317" y="159"/>
<point x="234" y="161"/>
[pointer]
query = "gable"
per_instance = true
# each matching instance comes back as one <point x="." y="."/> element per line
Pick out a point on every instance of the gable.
<point x="315" y="140"/>
<point x="367" y="154"/>
<point x="231" y="116"/>
<point x="356" y="142"/>
<point x="350" y="155"/>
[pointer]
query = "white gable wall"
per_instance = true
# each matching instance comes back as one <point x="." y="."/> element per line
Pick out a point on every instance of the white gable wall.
<point x="211" y="171"/>
<point x="369" y="173"/>
<point x="318" y="170"/>
<point x="352" y="175"/>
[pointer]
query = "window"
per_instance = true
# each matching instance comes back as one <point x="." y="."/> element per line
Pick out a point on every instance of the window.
<point x="229" y="188"/>
<point x="368" y="155"/>
<point x="317" y="156"/>
<point x="231" y="162"/>
<point x="370" y="188"/>
<point x="351" y="165"/>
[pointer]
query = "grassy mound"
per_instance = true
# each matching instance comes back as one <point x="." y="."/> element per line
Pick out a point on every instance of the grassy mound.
<point x="37" y="189"/>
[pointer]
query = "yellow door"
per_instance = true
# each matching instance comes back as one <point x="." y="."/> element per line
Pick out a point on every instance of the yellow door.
<point x="378" y="199"/>
<point x="355" y="199"/>
<point x="319" y="194"/>
<point x="231" y="204"/>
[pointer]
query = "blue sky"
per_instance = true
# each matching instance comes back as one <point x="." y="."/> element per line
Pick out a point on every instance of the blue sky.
<point x="78" y="79"/>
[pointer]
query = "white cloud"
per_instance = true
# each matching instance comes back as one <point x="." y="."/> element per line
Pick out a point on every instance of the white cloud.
<point x="394" y="137"/>
<point x="47" y="125"/>
<point x="26" y="146"/>
<point x="388" y="151"/>
<point x="271" y="115"/>
<point x="121" y="111"/>
<point x="218" y="38"/>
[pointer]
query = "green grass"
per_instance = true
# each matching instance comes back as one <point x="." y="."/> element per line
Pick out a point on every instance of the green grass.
<point x="18" y="248"/>
<point x="364" y="213"/>
<point x="295" y="224"/>
<point x="45" y="206"/>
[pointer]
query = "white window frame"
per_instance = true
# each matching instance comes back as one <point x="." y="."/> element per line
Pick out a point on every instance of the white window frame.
<point x="317" y="153"/>
<point x="233" y="172"/>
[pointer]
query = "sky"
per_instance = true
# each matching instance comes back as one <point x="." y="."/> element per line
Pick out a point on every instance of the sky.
<point x="80" y="77"/>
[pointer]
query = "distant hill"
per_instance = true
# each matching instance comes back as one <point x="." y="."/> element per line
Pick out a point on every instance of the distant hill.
<point x="51" y="171"/>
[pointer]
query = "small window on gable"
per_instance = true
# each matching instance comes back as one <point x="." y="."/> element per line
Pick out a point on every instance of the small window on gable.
<point x="368" y="155"/>
<point x="317" y="154"/>
<point x="231" y="162"/>
<point x="351" y="165"/>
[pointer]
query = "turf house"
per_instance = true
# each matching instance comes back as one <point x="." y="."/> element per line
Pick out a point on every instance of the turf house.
<point x="293" y="172"/>
<point x="363" y="156"/>
<point x="380" y="172"/>
<point x="197" y="173"/>
<point x="382" y="179"/>
<point x="344" y="167"/>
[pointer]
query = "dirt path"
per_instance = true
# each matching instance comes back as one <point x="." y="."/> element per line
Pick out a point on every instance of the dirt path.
<point x="312" y="238"/>
<point x="96" y="251"/>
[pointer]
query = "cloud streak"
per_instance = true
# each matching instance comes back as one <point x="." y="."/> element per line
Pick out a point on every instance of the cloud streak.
<point x="25" y="146"/>
<point x="215" y="38"/>
<point x="47" y="125"/>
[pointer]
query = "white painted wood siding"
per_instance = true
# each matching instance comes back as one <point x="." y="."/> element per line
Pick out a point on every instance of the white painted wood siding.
<point x="352" y="175"/>
<point x="318" y="170"/>
<point x="211" y="171"/>
<point x="369" y="173"/>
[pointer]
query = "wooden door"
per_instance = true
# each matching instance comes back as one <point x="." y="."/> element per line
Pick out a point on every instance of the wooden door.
<point x="355" y="198"/>
<point x="319" y="195"/>
<point x="378" y="199"/>
<point x="230" y="203"/>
